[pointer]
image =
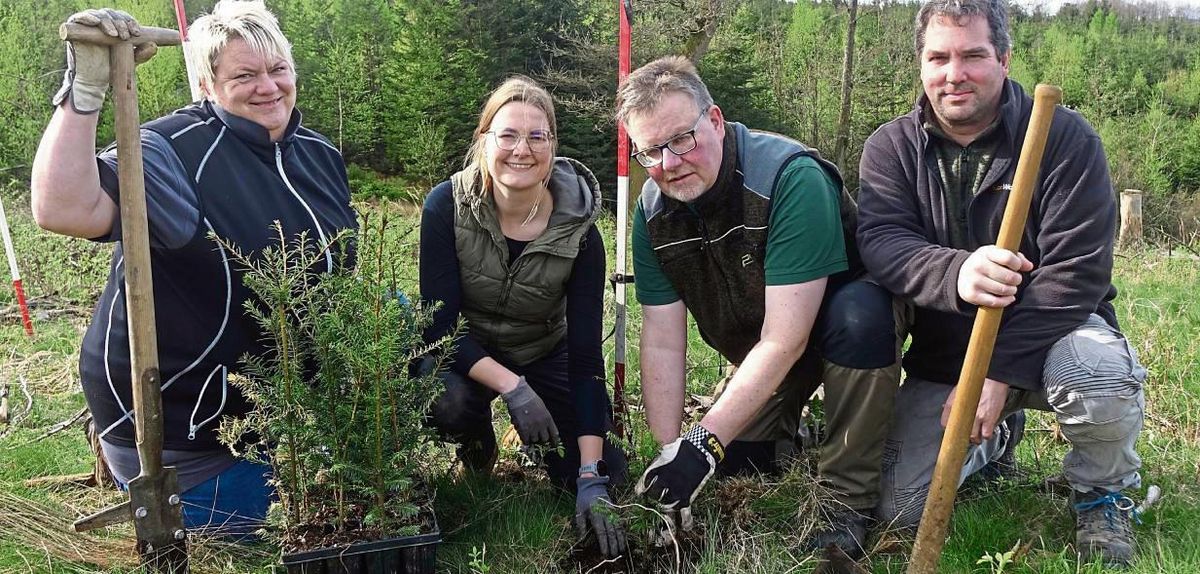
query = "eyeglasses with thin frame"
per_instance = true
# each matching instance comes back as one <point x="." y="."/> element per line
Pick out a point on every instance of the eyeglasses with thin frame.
<point x="508" y="140"/>
<point x="679" y="144"/>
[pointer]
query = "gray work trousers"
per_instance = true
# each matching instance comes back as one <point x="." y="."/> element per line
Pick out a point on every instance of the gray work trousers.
<point x="1092" y="383"/>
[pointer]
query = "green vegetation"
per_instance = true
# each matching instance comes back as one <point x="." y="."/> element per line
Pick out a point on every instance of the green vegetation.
<point x="397" y="84"/>
<point x="518" y="523"/>
<point x="336" y="410"/>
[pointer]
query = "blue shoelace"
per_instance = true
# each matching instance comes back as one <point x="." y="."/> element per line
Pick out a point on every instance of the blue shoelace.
<point x="1111" y="501"/>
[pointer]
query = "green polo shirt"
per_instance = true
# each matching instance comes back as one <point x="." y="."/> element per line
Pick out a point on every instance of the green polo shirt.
<point x="804" y="241"/>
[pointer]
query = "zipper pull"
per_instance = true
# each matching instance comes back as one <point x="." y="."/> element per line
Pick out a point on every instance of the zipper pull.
<point x="192" y="432"/>
<point x="278" y="152"/>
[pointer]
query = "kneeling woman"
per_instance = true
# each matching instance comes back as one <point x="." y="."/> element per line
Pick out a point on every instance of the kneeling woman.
<point x="509" y="244"/>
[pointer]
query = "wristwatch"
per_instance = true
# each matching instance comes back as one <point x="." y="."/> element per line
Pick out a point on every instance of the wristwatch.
<point x="598" y="468"/>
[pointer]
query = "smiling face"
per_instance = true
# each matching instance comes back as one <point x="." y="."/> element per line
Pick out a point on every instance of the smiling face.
<point x="522" y="168"/>
<point x="262" y="90"/>
<point x="962" y="74"/>
<point x="681" y="177"/>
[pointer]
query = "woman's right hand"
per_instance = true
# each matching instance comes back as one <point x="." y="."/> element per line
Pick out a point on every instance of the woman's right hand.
<point x="530" y="416"/>
<point x="86" y="79"/>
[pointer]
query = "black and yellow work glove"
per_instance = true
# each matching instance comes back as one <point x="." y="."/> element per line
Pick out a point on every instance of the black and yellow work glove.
<point x="676" y="476"/>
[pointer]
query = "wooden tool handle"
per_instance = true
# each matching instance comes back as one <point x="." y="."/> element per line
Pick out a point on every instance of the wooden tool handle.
<point x="935" y="522"/>
<point x="139" y="286"/>
<point x="80" y="33"/>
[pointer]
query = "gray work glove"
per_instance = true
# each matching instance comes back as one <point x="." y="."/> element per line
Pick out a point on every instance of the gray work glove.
<point x="530" y="416"/>
<point x="593" y="511"/>
<point x="87" y="76"/>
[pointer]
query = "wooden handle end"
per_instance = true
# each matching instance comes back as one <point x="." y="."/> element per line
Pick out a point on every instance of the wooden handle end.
<point x="1048" y="92"/>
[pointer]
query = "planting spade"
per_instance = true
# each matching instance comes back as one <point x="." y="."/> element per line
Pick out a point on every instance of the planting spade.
<point x="154" y="503"/>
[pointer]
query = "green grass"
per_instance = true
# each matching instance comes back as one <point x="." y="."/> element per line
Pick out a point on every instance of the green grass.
<point x="518" y="523"/>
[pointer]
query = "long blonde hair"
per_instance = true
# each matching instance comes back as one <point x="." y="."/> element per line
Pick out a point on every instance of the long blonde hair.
<point x="515" y="89"/>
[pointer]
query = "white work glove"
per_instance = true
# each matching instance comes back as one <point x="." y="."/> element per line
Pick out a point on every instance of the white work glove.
<point x="87" y="76"/>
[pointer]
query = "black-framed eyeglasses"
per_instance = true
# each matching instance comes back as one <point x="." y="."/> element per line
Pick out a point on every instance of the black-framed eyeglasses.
<point x="679" y="144"/>
<point x="508" y="140"/>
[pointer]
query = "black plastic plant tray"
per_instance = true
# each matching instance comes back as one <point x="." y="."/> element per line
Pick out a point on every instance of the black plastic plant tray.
<point x="402" y="555"/>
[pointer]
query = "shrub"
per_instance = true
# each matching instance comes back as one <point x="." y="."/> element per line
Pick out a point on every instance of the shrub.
<point x="336" y="412"/>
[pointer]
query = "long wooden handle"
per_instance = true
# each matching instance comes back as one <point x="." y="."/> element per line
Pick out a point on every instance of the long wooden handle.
<point x="135" y="242"/>
<point x="153" y="494"/>
<point x="80" y="33"/>
<point x="935" y="522"/>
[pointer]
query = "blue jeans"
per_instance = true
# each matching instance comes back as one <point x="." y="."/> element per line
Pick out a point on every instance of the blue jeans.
<point x="232" y="504"/>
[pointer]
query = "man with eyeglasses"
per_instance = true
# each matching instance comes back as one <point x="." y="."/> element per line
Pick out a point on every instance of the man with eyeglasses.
<point x="744" y="230"/>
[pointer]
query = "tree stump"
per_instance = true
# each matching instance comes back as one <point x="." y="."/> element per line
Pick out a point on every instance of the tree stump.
<point x="1131" y="218"/>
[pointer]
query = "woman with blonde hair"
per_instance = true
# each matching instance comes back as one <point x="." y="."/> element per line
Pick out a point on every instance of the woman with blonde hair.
<point x="509" y="245"/>
<point x="230" y="165"/>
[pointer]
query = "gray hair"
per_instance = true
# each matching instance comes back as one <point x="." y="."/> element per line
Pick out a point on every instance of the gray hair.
<point x="647" y="85"/>
<point x="960" y="11"/>
<point x="246" y="19"/>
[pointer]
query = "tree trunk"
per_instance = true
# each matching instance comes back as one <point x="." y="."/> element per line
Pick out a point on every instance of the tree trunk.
<point x="706" y="27"/>
<point x="843" y="130"/>
<point x="1131" y="218"/>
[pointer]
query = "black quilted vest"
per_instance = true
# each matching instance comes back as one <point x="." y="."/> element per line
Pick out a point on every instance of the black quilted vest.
<point x="712" y="251"/>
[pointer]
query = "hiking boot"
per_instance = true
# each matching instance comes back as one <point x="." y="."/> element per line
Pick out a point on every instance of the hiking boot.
<point x="1102" y="527"/>
<point x="846" y="529"/>
<point x="1004" y="467"/>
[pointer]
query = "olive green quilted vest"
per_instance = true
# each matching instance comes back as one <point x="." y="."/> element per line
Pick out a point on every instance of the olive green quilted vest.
<point x="520" y="310"/>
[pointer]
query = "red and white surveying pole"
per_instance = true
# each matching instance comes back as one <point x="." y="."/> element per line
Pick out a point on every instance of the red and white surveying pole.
<point x="193" y="81"/>
<point x="16" y="274"/>
<point x="620" y="408"/>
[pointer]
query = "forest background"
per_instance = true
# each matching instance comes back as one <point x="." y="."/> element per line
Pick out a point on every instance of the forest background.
<point x="397" y="84"/>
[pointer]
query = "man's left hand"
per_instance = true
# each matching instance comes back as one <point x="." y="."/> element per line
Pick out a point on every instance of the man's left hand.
<point x="676" y="476"/>
<point x="987" y="416"/>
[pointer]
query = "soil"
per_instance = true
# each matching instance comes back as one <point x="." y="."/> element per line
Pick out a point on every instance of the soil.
<point x="322" y="534"/>
<point x="642" y="558"/>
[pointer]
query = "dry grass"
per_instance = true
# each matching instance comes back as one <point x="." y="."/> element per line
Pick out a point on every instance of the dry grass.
<point x="46" y="527"/>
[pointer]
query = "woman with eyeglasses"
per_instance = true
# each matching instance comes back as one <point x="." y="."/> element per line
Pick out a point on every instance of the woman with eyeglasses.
<point x="510" y="246"/>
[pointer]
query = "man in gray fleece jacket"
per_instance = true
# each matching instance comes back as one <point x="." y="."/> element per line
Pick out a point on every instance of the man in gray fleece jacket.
<point x="934" y="187"/>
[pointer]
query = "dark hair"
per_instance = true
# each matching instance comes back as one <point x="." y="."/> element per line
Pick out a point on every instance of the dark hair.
<point x="960" y="11"/>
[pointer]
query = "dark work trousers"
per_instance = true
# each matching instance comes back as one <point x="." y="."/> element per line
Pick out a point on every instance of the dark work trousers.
<point x="861" y="375"/>
<point x="463" y="414"/>
<point x="853" y="351"/>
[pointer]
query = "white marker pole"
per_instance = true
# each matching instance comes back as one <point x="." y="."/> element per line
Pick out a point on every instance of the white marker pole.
<point x="193" y="81"/>
<point x="16" y="274"/>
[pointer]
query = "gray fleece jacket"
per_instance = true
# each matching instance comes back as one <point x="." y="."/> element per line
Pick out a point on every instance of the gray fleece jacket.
<point x="903" y="232"/>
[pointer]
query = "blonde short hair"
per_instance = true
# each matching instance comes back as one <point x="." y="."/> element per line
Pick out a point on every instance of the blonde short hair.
<point x="246" y="19"/>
